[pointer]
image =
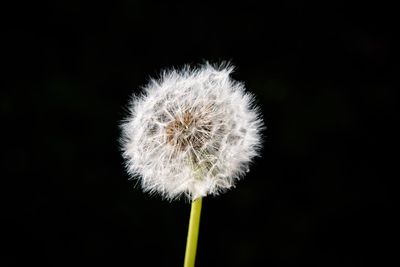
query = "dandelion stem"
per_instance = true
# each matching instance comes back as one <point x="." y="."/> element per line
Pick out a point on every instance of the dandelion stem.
<point x="193" y="233"/>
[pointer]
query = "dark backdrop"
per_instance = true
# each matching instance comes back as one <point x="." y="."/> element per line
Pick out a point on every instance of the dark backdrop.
<point x="320" y="194"/>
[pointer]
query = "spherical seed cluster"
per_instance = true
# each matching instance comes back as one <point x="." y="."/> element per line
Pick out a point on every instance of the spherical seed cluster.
<point x="193" y="132"/>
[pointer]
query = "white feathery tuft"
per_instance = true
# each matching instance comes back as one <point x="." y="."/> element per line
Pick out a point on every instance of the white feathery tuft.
<point x="193" y="132"/>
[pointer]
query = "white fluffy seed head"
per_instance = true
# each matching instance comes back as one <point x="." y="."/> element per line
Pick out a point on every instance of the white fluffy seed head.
<point x="193" y="132"/>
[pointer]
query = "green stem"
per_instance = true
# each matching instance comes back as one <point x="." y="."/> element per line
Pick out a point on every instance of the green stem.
<point x="193" y="233"/>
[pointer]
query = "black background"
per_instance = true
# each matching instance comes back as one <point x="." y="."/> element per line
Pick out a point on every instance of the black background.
<point x="324" y="76"/>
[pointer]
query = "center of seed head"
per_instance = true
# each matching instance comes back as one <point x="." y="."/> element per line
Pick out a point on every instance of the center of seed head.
<point x="186" y="130"/>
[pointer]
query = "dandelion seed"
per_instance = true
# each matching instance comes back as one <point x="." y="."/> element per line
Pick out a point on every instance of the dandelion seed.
<point x="193" y="132"/>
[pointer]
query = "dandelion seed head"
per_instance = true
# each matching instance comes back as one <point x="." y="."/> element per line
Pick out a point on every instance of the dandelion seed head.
<point x="192" y="132"/>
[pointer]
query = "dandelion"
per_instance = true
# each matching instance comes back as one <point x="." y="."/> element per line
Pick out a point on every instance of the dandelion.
<point x="192" y="133"/>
